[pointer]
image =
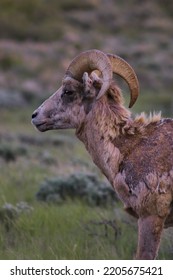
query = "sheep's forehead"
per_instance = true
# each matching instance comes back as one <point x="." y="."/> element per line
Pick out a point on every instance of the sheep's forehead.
<point x="70" y="83"/>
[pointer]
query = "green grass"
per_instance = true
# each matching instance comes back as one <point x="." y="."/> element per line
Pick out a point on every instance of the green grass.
<point x="70" y="231"/>
<point x="64" y="232"/>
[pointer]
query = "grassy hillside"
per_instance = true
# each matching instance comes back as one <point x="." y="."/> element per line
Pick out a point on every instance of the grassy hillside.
<point x="43" y="20"/>
<point x="48" y="34"/>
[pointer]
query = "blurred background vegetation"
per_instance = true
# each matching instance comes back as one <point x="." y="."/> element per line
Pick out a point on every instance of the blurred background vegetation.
<point x="38" y="39"/>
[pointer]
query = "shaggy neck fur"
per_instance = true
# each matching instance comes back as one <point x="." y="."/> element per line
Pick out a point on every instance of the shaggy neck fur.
<point x="107" y="122"/>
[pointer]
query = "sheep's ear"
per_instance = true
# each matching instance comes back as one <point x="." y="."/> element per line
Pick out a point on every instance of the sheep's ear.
<point x="87" y="83"/>
<point x="91" y="84"/>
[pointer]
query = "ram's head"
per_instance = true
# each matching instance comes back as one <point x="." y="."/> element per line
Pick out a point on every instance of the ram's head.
<point x="86" y="80"/>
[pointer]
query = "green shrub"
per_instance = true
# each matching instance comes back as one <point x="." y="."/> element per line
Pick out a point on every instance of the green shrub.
<point x="7" y="153"/>
<point x="9" y="213"/>
<point x="10" y="153"/>
<point x="86" y="187"/>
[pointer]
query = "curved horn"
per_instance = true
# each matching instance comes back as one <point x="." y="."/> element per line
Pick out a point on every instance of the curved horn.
<point x="123" y="69"/>
<point x="89" y="61"/>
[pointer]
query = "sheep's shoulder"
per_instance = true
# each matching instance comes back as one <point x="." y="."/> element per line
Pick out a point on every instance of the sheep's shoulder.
<point x="147" y="152"/>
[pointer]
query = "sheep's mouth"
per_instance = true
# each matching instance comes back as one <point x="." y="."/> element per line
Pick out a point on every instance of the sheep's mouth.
<point x="43" y="126"/>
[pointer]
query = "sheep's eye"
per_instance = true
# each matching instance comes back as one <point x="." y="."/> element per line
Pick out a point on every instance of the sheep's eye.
<point x="68" y="92"/>
<point x="68" y="96"/>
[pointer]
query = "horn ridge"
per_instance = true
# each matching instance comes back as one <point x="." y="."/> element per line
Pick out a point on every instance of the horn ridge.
<point x="123" y="69"/>
<point x="89" y="61"/>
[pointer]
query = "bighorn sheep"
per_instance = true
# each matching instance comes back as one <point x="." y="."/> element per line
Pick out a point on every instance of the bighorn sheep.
<point x="135" y="154"/>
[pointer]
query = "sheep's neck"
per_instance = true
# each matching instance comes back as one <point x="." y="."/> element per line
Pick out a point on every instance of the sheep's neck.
<point x="97" y="134"/>
<point x="104" y="154"/>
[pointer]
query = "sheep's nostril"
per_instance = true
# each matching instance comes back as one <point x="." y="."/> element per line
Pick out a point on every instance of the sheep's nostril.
<point x="34" y="114"/>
